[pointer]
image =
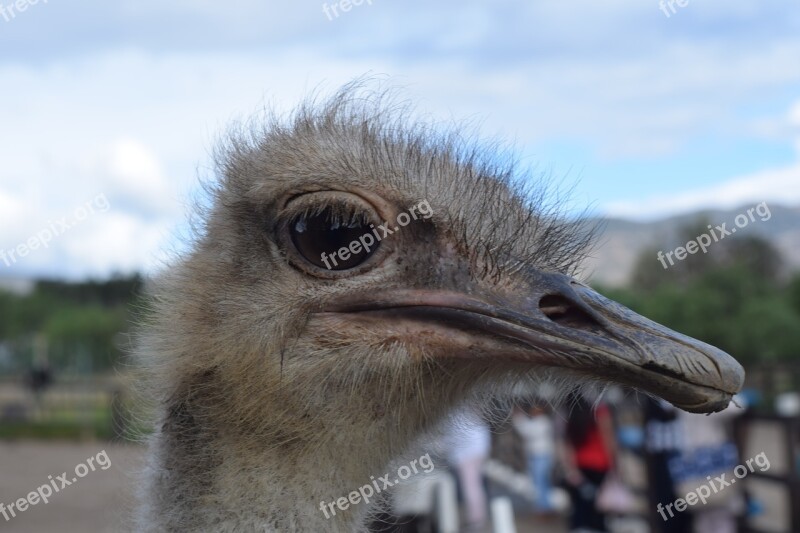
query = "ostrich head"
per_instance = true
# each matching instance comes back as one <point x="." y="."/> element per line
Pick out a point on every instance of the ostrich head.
<point x="286" y="381"/>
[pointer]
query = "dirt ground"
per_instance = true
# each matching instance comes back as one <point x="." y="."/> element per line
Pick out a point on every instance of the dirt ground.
<point x="101" y="500"/>
<point x="97" y="502"/>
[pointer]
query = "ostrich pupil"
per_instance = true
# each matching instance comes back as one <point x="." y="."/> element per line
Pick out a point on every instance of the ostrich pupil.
<point x="331" y="234"/>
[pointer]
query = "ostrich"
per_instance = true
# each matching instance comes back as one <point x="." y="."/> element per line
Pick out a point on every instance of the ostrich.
<point x="284" y="381"/>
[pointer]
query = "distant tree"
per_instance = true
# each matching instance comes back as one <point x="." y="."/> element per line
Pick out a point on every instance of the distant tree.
<point x="758" y="255"/>
<point x="766" y="329"/>
<point x="89" y="330"/>
<point x="116" y="291"/>
<point x="647" y="271"/>
<point x="81" y="322"/>
<point x="732" y="297"/>
<point x="793" y="292"/>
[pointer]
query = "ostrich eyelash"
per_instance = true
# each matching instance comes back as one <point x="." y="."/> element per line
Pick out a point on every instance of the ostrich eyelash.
<point x="339" y="214"/>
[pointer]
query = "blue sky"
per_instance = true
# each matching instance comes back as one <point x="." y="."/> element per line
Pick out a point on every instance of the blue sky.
<point x="653" y="115"/>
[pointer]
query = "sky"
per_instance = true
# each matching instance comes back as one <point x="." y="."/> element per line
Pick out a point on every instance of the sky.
<point x="110" y="110"/>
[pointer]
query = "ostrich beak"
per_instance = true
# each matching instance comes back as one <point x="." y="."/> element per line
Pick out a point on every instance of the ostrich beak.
<point x="562" y="323"/>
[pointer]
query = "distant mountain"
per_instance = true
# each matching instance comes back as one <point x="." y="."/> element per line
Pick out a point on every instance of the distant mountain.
<point x="620" y="242"/>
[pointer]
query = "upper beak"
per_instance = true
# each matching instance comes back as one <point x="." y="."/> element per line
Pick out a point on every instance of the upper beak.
<point x="636" y="351"/>
<point x="561" y="322"/>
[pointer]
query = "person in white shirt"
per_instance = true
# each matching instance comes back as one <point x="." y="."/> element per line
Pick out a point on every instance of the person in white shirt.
<point x="536" y="430"/>
<point x="469" y="443"/>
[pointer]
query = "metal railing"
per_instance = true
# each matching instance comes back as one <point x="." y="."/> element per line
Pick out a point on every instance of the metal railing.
<point x="74" y="408"/>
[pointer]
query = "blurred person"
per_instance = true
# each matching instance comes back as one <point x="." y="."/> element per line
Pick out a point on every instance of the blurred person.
<point x="663" y="442"/>
<point x="468" y="445"/>
<point x="38" y="379"/>
<point x="536" y="429"/>
<point x="587" y="457"/>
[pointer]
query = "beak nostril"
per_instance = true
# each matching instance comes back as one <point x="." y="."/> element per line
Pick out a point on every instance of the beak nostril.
<point x="565" y="313"/>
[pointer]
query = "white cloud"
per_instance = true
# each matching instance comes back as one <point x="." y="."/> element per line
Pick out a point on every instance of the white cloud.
<point x="102" y="132"/>
<point x="115" y="242"/>
<point x="133" y="172"/>
<point x="136" y="121"/>
<point x="779" y="185"/>
<point x="794" y="121"/>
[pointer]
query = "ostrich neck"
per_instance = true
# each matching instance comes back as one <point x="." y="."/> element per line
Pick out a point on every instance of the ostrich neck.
<point x="206" y="474"/>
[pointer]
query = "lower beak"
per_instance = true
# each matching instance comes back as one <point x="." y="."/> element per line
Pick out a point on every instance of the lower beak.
<point x="563" y="323"/>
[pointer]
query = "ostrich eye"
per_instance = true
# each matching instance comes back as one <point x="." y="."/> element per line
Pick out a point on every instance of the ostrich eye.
<point x="334" y="234"/>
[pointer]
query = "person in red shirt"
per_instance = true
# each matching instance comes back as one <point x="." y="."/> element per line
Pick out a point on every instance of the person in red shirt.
<point x="588" y="455"/>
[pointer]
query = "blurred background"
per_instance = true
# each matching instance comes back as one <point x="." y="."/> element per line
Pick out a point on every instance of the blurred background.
<point x="667" y="121"/>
